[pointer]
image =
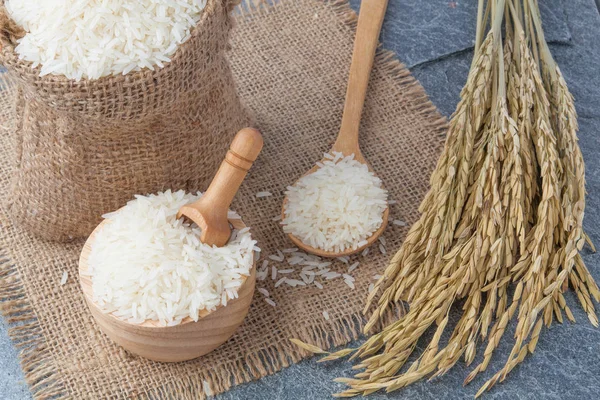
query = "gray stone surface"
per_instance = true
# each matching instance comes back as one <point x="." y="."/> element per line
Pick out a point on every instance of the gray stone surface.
<point x="421" y="31"/>
<point x="434" y="38"/>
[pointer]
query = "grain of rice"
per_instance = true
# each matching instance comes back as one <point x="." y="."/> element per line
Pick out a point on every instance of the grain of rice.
<point x="382" y="249"/>
<point x="353" y="266"/>
<point x="286" y="271"/>
<point x="295" y="260"/>
<point x="399" y="222"/>
<point x="265" y="292"/>
<point x="371" y="287"/>
<point x="315" y="263"/>
<point x="318" y="284"/>
<point x="326" y="315"/>
<point x="376" y="277"/>
<point x="349" y="283"/>
<point x="290" y="250"/>
<point x="261" y="275"/>
<point x="304" y="277"/>
<point x="277" y="218"/>
<point x="307" y="257"/>
<point x="64" y="277"/>
<point x="294" y="282"/>
<point x="331" y="275"/>
<point x="279" y="282"/>
<point x="273" y="272"/>
<point x="344" y="259"/>
<point x="390" y="202"/>
<point x="206" y="387"/>
<point x="277" y="258"/>
<point x="263" y="194"/>
<point x="382" y="240"/>
<point x="365" y="252"/>
<point x="348" y="277"/>
<point x="270" y="302"/>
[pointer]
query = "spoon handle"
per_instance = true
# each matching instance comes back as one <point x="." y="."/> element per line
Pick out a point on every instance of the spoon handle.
<point x="243" y="151"/>
<point x="370" y="21"/>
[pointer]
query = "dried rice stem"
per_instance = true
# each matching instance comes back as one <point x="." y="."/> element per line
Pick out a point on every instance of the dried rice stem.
<point x="505" y="211"/>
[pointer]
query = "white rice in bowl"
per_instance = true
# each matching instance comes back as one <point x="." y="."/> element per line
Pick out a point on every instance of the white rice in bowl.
<point x="145" y="264"/>
<point x="337" y="207"/>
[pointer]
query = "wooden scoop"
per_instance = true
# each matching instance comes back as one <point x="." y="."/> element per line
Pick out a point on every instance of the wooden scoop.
<point x="210" y="211"/>
<point x="370" y="21"/>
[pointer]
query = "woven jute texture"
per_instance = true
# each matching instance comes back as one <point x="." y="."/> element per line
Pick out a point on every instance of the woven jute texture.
<point x="290" y="61"/>
<point x="83" y="148"/>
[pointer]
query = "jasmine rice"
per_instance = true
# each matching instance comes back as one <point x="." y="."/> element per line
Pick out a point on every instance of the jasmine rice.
<point x="337" y="207"/>
<point x="145" y="264"/>
<point x="95" y="38"/>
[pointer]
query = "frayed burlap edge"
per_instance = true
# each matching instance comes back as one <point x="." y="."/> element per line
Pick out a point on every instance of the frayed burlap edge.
<point x="36" y="360"/>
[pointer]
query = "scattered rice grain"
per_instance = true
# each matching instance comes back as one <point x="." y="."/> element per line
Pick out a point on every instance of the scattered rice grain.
<point x="270" y="302"/>
<point x="263" y="194"/>
<point x="286" y="271"/>
<point x="63" y="279"/>
<point x="382" y="249"/>
<point x="279" y="282"/>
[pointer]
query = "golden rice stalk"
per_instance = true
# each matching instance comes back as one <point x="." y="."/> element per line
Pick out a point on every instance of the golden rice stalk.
<point x="504" y="213"/>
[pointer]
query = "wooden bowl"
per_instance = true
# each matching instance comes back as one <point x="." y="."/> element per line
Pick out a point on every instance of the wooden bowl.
<point x="182" y="342"/>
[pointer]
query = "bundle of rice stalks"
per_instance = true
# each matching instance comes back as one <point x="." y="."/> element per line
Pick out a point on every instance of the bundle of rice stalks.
<point x="501" y="227"/>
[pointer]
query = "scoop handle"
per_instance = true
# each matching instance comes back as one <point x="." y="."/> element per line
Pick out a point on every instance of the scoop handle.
<point x="244" y="150"/>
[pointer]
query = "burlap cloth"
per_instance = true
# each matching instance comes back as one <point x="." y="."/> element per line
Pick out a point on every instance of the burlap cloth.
<point x="291" y="62"/>
<point x="86" y="147"/>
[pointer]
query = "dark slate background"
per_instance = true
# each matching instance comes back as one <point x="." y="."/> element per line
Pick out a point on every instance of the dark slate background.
<point x="434" y="38"/>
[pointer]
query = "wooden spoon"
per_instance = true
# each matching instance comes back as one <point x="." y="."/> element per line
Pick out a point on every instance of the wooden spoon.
<point x="370" y="21"/>
<point x="210" y="211"/>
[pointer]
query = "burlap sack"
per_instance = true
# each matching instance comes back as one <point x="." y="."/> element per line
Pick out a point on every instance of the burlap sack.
<point x="290" y="62"/>
<point x="84" y="148"/>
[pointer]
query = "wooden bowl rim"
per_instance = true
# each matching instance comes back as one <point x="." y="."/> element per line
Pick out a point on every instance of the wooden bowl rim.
<point x="85" y="282"/>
